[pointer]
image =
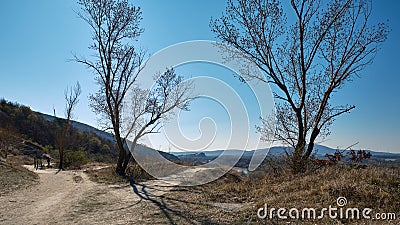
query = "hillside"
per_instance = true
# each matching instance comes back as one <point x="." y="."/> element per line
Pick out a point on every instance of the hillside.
<point x="21" y="128"/>
<point x="82" y="127"/>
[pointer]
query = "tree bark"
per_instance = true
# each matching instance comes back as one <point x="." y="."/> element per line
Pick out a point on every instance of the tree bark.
<point x="121" y="156"/>
<point x="128" y="156"/>
<point x="298" y="163"/>
<point x="60" y="164"/>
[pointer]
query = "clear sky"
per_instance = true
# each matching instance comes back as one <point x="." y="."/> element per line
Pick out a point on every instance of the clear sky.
<point x="39" y="37"/>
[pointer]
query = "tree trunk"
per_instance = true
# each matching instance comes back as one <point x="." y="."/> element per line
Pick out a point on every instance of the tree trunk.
<point x="298" y="163"/>
<point x="121" y="157"/>
<point x="61" y="153"/>
<point x="128" y="156"/>
<point x="311" y="144"/>
<point x="310" y="148"/>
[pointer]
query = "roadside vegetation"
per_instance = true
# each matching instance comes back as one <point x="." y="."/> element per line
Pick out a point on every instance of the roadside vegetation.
<point x="107" y="174"/>
<point x="240" y="196"/>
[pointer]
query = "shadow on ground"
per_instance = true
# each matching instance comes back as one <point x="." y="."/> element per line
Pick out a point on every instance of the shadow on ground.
<point x="175" y="211"/>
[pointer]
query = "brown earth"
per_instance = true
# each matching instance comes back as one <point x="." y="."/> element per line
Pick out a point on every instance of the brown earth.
<point x="70" y="197"/>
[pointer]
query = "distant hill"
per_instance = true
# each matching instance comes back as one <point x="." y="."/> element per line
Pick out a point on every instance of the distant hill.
<point x="319" y="150"/>
<point x="82" y="127"/>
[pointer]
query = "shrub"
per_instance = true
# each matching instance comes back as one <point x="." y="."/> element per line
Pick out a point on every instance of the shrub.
<point x="75" y="159"/>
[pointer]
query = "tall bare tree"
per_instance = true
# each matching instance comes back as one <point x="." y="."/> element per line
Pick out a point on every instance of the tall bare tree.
<point x="71" y="96"/>
<point x="117" y="64"/>
<point x="328" y="44"/>
<point x="115" y="26"/>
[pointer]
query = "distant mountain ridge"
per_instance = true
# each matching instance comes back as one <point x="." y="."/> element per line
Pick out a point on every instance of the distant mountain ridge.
<point x="319" y="150"/>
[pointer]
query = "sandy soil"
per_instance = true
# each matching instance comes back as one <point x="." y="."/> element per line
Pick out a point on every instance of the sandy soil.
<point x="69" y="197"/>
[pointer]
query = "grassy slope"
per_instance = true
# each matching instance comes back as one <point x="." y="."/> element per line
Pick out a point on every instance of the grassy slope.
<point x="14" y="177"/>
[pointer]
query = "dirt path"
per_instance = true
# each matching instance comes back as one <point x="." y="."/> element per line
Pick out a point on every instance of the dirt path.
<point x="46" y="202"/>
<point x="69" y="197"/>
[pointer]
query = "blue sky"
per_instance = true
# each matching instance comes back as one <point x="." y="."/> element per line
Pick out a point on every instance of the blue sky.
<point x="39" y="37"/>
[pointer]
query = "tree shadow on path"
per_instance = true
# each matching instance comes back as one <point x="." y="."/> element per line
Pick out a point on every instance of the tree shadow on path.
<point x="171" y="208"/>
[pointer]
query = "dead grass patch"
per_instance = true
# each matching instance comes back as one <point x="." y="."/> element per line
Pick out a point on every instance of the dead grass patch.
<point x="374" y="187"/>
<point x="14" y="177"/>
<point x="107" y="175"/>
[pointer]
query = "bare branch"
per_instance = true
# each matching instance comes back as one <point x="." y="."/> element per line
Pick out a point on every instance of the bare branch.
<point x="326" y="45"/>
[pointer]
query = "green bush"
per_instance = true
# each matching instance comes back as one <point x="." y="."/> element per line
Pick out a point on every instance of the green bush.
<point x="75" y="159"/>
<point x="101" y="158"/>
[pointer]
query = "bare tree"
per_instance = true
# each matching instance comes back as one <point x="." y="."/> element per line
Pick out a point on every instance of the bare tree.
<point x="327" y="45"/>
<point x="117" y="64"/>
<point x="71" y="96"/>
<point x="115" y="26"/>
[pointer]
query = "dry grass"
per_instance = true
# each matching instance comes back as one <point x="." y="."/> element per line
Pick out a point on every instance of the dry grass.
<point x="235" y="198"/>
<point x="377" y="188"/>
<point x="109" y="176"/>
<point x="14" y="177"/>
<point x="19" y="160"/>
